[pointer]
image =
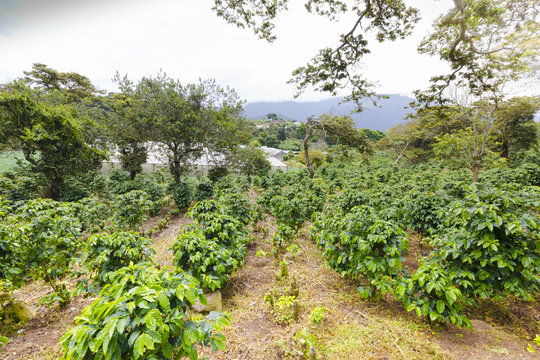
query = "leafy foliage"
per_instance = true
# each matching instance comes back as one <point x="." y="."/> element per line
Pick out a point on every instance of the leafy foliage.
<point x="181" y="193"/>
<point x="104" y="253"/>
<point x="362" y="244"/>
<point x="52" y="143"/>
<point x="237" y="204"/>
<point x="144" y="315"/>
<point x="43" y="238"/>
<point x="491" y="248"/>
<point x="212" y="249"/>
<point x="129" y="209"/>
<point x="204" y="191"/>
<point x="430" y="292"/>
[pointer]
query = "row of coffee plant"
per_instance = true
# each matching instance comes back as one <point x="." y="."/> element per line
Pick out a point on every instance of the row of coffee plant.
<point x="149" y="305"/>
<point x="481" y="240"/>
<point x="144" y="312"/>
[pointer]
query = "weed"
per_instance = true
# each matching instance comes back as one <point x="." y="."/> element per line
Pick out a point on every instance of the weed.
<point x="317" y="315"/>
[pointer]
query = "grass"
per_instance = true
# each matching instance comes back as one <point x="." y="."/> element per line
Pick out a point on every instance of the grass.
<point x="390" y="338"/>
<point x="8" y="160"/>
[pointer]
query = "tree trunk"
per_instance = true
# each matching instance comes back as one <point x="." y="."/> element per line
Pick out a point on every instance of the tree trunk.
<point x="504" y="152"/>
<point x="174" y="163"/>
<point x="400" y="155"/>
<point x="54" y="190"/>
<point x="476" y="170"/>
<point x="306" y="146"/>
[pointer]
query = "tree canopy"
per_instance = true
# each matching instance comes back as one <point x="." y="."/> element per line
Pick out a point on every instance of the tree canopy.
<point x="49" y="137"/>
<point x="332" y="68"/>
<point x="187" y="119"/>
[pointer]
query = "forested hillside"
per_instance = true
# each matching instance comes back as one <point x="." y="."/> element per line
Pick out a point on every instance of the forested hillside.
<point x="392" y="111"/>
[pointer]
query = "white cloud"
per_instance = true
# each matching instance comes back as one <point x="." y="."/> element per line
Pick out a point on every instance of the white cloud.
<point x="187" y="40"/>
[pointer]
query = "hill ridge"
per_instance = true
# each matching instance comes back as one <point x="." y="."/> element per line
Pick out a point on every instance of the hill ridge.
<point x="391" y="111"/>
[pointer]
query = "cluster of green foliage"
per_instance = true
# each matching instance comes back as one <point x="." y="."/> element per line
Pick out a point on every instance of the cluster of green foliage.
<point x="129" y="209"/>
<point x="489" y="250"/>
<point x="360" y="243"/>
<point x="237" y="205"/>
<point x="40" y="239"/>
<point x="292" y="198"/>
<point x="204" y="191"/>
<point x="483" y="237"/>
<point x="181" y="193"/>
<point x="51" y="140"/>
<point x="213" y="247"/>
<point x="105" y="253"/>
<point x="144" y="314"/>
<point x="283" y="301"/>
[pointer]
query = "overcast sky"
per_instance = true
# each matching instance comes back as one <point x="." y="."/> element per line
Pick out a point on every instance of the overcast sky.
<point x="187" y="40"/>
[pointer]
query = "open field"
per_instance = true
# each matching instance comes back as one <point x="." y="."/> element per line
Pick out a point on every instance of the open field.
<point x="8" y="160"/>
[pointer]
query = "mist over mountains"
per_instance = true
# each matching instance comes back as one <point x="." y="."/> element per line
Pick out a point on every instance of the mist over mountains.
<point x="391" y="112"/>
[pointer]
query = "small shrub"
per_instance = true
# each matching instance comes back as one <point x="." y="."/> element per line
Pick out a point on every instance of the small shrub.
<point x="284" y="307"/>
<point x="95" y="213"/>
<point x="216" y="173"/>
<point x="291" y="212"/>
<point x="212" y="250"/>
<point x="204" y="191"/>
<point x="104" y="253"/>
<point x="143" y="316"/>
<point x="130" y="209"/>
<point x="283" y="237"/>
<point x="181" y="193"/>
<point x="362" y="244"/>
<point x="46" y="242"/>
<point x="283" y="273"/>
<point x="293" y="249"/>
<point x="237" y="205"/>
<point x="261" y="253"/>
<point x="317" y="315"/>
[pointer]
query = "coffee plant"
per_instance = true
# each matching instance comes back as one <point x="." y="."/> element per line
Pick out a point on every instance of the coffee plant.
<point x="491" y="246"/>
<point x="181" y="193"/>
<point x="106" y="253"/>
<point x="94" y="214"/>
<point x="421" y="210"/>
<point x="211" y="250"/>
<point x="291" y="213"/>
<point x="362" y="244"/>
<point x="431" y="292"/>
<point x="46" y="242"/>
<point x="237" y="205"/>
<point x="204" y="191"/>
<point x="129" y="209"/>
<point x="204" y="210"/>
<point x="144" y="314"/>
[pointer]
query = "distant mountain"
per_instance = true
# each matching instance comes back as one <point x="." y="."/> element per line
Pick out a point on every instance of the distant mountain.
<point x="391" y="112"/>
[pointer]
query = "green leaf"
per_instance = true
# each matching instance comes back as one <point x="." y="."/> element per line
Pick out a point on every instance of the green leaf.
<point x="164" y="301"/>
<point x="440" y="306"/>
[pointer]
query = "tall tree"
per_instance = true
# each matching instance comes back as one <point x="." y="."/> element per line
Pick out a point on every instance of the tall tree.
<point x="487" y="45"/>
<point x="187" y="119"/>
<point x="73" y="86"/>
<point x="127" y="130"/>
<point x="49" y="137"/>
<point x="333" y="68"/>
<point x="339" y="131"/>
<point x="73" y="90"/>
<point x="514" y="124"/>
